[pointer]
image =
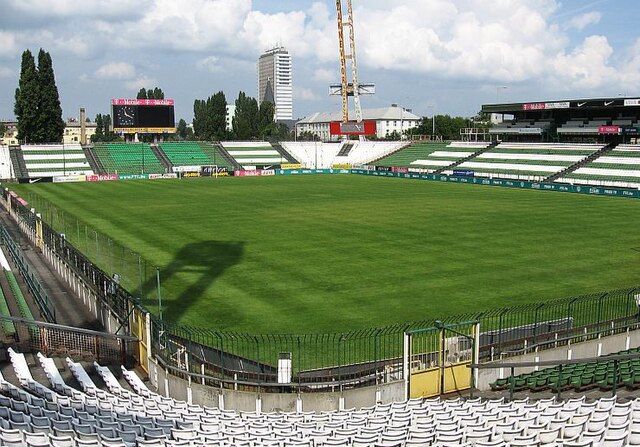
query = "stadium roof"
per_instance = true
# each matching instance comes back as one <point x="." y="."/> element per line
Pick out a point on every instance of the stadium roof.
<point x="566" y="104"/>
<point x="383" y="113"/>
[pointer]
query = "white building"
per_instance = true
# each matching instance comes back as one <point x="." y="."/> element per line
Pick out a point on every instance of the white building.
<point x="275" y="81"/>
<point x="231" y="111"/>
<point x="388" y="120"/>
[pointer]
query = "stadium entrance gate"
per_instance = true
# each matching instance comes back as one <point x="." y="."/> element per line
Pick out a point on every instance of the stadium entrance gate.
<point x="140" y="329"/>
<point x="436" y="359"/>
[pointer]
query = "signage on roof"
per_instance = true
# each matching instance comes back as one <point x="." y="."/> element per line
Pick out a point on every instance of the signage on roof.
<point x="142" y="102"/>
<point x="546" y="105"/>
<point x="632" y="102"/>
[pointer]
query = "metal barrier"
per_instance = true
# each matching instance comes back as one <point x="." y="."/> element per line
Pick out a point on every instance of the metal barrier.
<point x="615" y="358"/>
<point x="39" y="294"/>
<point x="316" y="362"/>
<point x="57" y="340"/>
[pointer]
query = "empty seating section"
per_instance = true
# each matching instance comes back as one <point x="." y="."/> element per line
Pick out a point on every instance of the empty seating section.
<point x="51" y="160"/>
<point x="185" y="154"/>
<point x="524" y="126"/>
<point x="132" y="158"/>
<point x="313" y="154"/>
<point x="38" y="415"/>
<point x="364" y="152"/>
<point x="618" y="168"/>
<point x="192" y="154"/>
<point x="21" y="301"/>
<point x="527" y="161"/>
<point x="581" y="376"/>
<point x="447" y="155"/>
<point x="409" y="154"/>
<point x="258" y="153"/>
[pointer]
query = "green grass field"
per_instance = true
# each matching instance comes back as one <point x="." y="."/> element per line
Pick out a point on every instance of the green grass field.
<point x="335" y="253"/>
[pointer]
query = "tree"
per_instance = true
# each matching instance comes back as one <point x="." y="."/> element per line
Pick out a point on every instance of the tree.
<point x="181" y="130"/>
<point x="3" y="129"/>
<point x="210" y="117"/>
<point x="51" y="124"/>
<point x="154" y="93"/>
<point x="26" y="105"/>
<point x="245" y="120"/>
<point x="37" y="105"/>
<point x="99" y="135"/>
<point x="266" y="124"/>
<point x="157" y="93"/>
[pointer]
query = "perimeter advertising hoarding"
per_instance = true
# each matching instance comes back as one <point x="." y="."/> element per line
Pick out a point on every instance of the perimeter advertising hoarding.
<point x="143" y="115"/>
<point x="102" y="178"/>
<point x="367" y="127"/>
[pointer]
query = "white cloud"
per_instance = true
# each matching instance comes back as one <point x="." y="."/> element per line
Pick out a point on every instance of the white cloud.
<point x="210" y="63"/>
<point x="305" y="94"/>
<point x="6" y="72"/>
<point x="140" y="82"/>
<point x="326" y="75"/>
<point x="587" y="66"/>
<point x="116" y="70"/>
<point x="8" y="46"/>
<point x="583" y="20"/>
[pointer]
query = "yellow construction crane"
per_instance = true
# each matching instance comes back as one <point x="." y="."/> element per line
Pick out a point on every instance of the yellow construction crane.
<point x="349" y="88"/>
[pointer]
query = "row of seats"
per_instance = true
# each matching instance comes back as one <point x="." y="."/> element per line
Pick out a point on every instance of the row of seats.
<point x="254" y="153"/>
<point x="582" y="376"/>
<point x="527" y="161"/>
<point x="41" y="416"/>
<point x="134" y="158"/>
<point x="55" y="160"/>
<point x="619" y="168"/>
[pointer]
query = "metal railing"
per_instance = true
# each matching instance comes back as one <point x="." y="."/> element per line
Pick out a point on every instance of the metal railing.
<point x="77" y="343"/>
<point x="40" y="297"/>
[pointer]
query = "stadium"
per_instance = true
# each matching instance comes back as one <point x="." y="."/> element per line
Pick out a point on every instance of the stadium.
<point x="478" y="291"/>
<point x="234" y="317"/>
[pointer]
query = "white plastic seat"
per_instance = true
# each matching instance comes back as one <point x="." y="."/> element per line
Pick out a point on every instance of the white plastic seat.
<point x="549" y="436"/>
<point x="617" y="440"/>
<point x="594" y="436"/>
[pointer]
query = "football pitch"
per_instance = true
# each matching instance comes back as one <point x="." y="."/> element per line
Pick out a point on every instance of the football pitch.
<point x="332" y="253"/>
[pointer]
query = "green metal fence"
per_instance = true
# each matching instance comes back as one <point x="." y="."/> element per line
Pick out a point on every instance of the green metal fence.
<point x="318" y="361"/>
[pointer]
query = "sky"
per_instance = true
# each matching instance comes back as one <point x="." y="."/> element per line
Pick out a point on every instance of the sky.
<point x="432" y="56"/>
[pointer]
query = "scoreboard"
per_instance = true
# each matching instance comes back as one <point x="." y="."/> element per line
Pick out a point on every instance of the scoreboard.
<point x="143" y="116"/>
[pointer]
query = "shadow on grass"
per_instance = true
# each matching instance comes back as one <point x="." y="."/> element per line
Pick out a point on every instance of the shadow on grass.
<point x="205" y="261"/>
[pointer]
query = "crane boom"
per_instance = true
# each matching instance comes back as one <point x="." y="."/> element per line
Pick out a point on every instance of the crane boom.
<point x="348" y="88"/>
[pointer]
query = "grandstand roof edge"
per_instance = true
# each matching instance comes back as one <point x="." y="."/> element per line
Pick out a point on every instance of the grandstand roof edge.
<point x="555" y="104"/>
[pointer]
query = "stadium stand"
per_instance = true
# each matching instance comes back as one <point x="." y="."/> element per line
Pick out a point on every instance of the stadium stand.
<point x="133" y="158"/>
<point x="313" y="154"/>
<point x="49" y="160"/>
<point x="581" y="376"/>
<point x="585" y="126"/>
<point x="519" y="127"/>
<point x="34" y="414"/>
<point x="191" y="154"/>
<point x="619" y="168"/>
<point x="258" y="153"/>
<point x="446" y="156"/>
<point x="364" y="152"/>
<point x="25" y="311"/>
<point x="527" y="161"/>
<point x="409" y="154"/>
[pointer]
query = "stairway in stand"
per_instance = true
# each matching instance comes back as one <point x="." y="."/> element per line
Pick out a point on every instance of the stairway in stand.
<point x="474" y="155"/>
<point x="599" y="153"/>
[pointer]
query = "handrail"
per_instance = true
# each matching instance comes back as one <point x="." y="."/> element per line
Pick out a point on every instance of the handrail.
<point x="571" y="337"/>
<point x="602" y="358"/>
<point x="68" y="328"/>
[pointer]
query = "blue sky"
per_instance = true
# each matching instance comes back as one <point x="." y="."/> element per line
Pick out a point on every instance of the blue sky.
<point x="447" y="56"/>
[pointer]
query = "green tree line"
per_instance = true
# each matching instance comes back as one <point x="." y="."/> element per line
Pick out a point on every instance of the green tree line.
<point x="37" y="102"/>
